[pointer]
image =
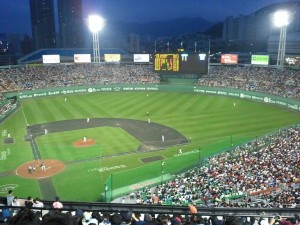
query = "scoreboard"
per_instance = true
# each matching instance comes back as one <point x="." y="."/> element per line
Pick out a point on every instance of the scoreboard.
<point x="166" y="62"/>
<point x="194" y="63"/>
<point x="181" y="63"/>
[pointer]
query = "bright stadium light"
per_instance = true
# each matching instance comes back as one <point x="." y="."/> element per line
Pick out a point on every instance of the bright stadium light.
<point x="95" y="24"/>
<point x="281" y="19"/>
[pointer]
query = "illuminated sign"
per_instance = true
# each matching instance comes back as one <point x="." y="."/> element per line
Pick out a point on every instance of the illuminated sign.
<point x="82" y="58"/>
<point x="166" y="62"/>
<point x="229" y="58"/>
<point x="141" y="57"/>
<point x="260" y="59"/>
<point x="292" y="61"/>
<point x="112" y="57"/>
<point x="48" y="59"/>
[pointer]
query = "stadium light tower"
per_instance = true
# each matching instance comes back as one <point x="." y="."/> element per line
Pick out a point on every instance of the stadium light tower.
<point x="281" y="19"/>
<point x="95" y="24"/>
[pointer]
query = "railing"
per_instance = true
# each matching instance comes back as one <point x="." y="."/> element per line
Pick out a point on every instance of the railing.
<point x="159" y="209"/>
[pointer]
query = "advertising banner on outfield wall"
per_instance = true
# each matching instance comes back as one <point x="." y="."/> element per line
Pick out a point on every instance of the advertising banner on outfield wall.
<point x="112" y="57"/>
<point x="261" y="97"/>
<point x="292" y="60"/>
<point x="229" y="58"/>
<point x="48" y="59"/>
<point x="142" y="58"/>
<point x="82" y="58"/>
<point x="260" y="60"/>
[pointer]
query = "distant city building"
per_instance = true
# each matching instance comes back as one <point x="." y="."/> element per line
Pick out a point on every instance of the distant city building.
<point x="70" y="23"/>
<point x="14" y="43"/>
<point x="42" y="24"/>
<point x="134" y="43"/>
<point x="254" y="29"/>
<point x="26" y="45"/>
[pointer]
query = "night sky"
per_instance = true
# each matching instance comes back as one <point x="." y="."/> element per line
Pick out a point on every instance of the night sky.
<point x="15" y="15"/>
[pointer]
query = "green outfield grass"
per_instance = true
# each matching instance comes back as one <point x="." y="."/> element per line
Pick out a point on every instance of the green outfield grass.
<point x="212" y="122"/>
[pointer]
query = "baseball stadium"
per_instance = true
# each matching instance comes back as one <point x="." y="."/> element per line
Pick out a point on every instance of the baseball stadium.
<point x="96" y="132"/>
<point x="158" y="113"/>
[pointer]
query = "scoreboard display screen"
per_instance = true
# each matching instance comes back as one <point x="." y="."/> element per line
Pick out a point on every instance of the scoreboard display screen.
<point x="166" y="62"/>
<point x="194" y="63"/>
<point x="181" y="63"/>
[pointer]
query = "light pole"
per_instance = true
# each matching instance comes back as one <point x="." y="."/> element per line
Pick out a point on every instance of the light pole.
<point x="281" y="19"/>
<point x="162" y="171"/>
<point x="95" y="24"/>
<point x="208" y="60"/>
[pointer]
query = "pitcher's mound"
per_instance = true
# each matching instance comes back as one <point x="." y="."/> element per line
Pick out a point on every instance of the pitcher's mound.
<point x="84" y="143"/>
<point x="34" y="170"/>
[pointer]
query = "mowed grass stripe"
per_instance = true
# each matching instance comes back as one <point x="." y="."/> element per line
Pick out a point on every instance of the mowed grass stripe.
<point x="144" y="105"/>
<point x="117" y="141"/>
<point x="106" y="104"/>
<point x="160" y="105"/>
<point x="218" y="104"/>
<point x="50" y="146"/>
<point x="60" y="109"/>
<point x="97" y="106"/>
<point x="92" y="106"/>
<point x="35" y="112"/>
<point x="50" y="107"/>
<point x="79" y="111"/>
<point x="182" y="102"/>
<point x="122" y="107"/>
<point x="195" y="104"/>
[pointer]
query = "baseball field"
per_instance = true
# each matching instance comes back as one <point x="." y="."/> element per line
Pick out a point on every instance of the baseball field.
<point x="68" y="145"/>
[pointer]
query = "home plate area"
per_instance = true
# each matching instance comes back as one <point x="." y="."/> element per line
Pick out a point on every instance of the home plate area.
<point x="38" y="169"/>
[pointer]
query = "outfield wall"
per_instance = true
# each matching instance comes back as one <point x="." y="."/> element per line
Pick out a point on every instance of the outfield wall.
<point x="255" y="96"/>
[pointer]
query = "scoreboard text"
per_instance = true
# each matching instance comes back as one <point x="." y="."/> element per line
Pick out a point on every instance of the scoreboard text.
<point x="166" y="62"/>
<point x="181" y="63"/>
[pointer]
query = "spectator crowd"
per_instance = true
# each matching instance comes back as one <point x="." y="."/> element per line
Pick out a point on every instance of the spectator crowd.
<point x="56" y="216"/>
<point x="259" y="79"/>
<point x="263" y="173"/>
<point x="23" y="78"/>
<point x="34" y="213"/>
